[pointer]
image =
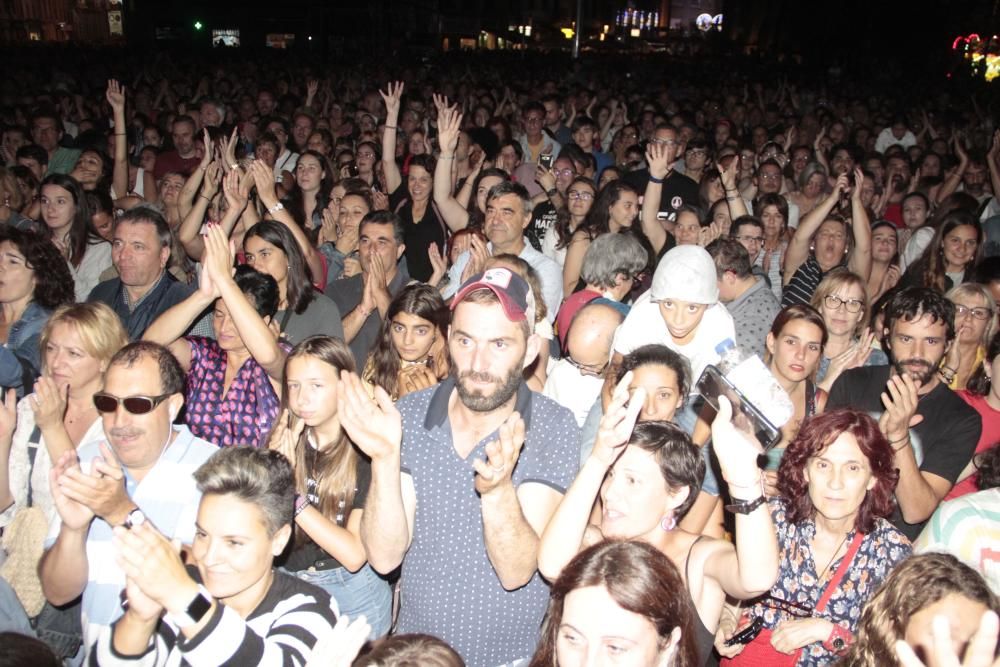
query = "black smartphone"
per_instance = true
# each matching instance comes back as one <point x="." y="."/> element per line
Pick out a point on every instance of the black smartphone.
<point x="747" y="634"/>
<point x="545" y="160"/>
<point x="746" y="417"/>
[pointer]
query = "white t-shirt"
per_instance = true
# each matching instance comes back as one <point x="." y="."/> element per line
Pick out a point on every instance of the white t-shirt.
<point x="915" y="247"/>
<point x="549" y="249"/>
<point x="572" y="390"/>
<point x="644" y="325"/>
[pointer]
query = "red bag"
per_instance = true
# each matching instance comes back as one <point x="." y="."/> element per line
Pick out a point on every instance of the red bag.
<point x="759" y="652"/>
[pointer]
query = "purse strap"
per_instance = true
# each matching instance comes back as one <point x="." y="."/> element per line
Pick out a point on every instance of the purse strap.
<point x="839" y="574"/>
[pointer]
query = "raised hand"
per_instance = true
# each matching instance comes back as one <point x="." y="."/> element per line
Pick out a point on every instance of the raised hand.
<point x="154" y="563"/>
<point x="478" y="255"/>
<point x="979" y="653"/>
<point x="48" y="402"/>
<point x="656" y="158"/>
<point x="218" y="256"/>
<point x="229" y="151"/>
<point x="501" y="456"/>
<point x="438" y="265"/>
<point x="449" y="127"/>
<point x="286" y="434"/>
<point x="103" y="490"/>
<point x="618" y="422"/>
<point x="140" y="605"/>
<point x="859" y="179"/>
<point x="441" y="103"/>
<point x="901" y="401"/>
<point x="263" y="178"/>
<point x="74" y="514"/>
<point x="736" y="449"/>
<point x="376" y="427"/>
<point x="115" y="94"/>
<point x="339" y="647"/>
<point x="213" y="179"/>
<point x="391" y="96"/>
<point x="235" y="195"/>
<point x="207" y="152"/>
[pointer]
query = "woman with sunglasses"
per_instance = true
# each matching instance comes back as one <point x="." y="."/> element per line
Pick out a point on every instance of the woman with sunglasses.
<point x="836" y="483"/>
<point x="975" y="324"/>
<point x="643" y="479"/>
<point x="411" y="352"/>
<point x="843" y="302"/>
<point x="234" y="381"/>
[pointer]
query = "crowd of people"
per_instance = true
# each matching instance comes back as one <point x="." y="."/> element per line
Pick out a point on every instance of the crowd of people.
<point x="462" y="424"/>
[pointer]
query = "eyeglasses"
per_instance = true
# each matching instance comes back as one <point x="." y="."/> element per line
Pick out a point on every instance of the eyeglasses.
<point x="834" y="302"/>
<point x="136" y="405"/>
<point x="664" y="142"/>
<point x="368" y="154"/>
<point x="750" y="239"/>
<point x="697" y="151"/>
<point x="564" y="172"/>
<point x="770" y="177"/>
<point x="586" y="370"/>
<point x="577" y="194"/>
<point x="978" y="313"/>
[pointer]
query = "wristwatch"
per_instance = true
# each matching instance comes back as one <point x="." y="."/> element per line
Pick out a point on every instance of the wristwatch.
<point x="134" y="518"/>
<point x="551" y="193"/>
<point x="195" y="611"/>
<point x="277" y="207"/>
<point x="745" y="506"/>
<point x="838" y="640"/>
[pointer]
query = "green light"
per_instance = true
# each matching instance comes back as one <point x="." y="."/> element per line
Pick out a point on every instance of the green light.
<point x="197" y="25"/>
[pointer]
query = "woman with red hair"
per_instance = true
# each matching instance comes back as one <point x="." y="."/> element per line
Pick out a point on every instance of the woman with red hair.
<point x="835" y="484"/>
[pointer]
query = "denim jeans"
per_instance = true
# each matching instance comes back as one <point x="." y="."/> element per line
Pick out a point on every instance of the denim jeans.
<point x="356" y="593"/>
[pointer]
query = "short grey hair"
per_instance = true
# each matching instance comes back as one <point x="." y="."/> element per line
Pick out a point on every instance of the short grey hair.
<point x="611" y="254"/>
<point x="808" y="171"/>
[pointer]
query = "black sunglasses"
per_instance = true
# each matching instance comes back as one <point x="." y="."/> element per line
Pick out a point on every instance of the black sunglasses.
<point x="136" y="405"/>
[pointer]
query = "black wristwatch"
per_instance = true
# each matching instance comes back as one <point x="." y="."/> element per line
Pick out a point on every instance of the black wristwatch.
<point x="195" y="611"/>
<point x="745" y="506"/>
<point x="551" y="193"/>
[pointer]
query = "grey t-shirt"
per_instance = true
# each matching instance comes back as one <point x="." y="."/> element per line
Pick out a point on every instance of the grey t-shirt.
<point x="449" y="588"/>
<point x="346" y="294"/>
<point x="321" y="316"/>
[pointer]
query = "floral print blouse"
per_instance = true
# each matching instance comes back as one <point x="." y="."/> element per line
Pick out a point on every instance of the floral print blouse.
<point x="242" y="415"/>
<point x="881" y="550"/>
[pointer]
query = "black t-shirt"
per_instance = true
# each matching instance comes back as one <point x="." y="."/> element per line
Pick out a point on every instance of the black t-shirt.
<point x="543" y="216"/>
<point x="305" y="555"/>
<point x="418" y="235"/>
<point x="943" y="442"/>
<point x="677" y="190"/>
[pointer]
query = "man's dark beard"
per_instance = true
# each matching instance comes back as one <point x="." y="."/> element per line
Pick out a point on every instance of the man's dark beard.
<point x="487" y="402"/>
<point x="924" y="377"/>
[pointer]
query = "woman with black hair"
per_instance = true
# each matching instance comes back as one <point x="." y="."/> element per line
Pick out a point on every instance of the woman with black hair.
<point x="615" y="209"/>
<point x="311" y="191"/>
<point x="303" y="311"/>
<point x="422" y="222"/>
<point x="34" y="281"/>
<point x="951" y="254"/>
<point x="411" y="351"/>
<point x="69" y="227"/>
<point x="618" y="600"/>
<point x="234" y="381"/>
<point x="644" y="478"/>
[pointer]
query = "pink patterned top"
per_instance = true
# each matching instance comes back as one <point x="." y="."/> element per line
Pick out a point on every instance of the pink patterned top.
<point x="241" y="416"/>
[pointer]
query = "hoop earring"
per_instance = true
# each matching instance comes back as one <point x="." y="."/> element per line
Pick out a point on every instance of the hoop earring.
<point x="669" y="522"/>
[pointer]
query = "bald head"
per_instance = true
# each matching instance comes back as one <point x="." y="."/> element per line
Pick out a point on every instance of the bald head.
<point x="591" y="334"/>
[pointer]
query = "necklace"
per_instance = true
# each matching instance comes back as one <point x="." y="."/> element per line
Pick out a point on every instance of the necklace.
<point x="833" y="557"/>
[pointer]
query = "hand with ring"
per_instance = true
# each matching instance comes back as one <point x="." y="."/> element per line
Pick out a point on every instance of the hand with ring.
<point x="501" y="456"/>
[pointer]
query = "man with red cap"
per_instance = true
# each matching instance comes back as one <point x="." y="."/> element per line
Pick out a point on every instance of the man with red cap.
<point x="465" y="476"/>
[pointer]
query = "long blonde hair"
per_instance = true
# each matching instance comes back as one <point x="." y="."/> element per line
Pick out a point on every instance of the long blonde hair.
<point x="335" y="467"/>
